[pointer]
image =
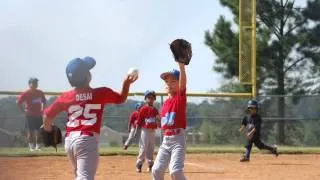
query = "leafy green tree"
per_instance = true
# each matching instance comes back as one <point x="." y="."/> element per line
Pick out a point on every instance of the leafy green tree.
<point x="280" y="64"/>
<point x="310" y="47"/>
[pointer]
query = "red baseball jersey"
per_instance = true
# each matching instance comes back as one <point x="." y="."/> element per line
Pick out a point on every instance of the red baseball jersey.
<point x="173" y="112"/>
<point x="84" y="108"/>
<point x="147" y="117"/>
<point x="133" y="118"/>
<point x="33" y="102"/>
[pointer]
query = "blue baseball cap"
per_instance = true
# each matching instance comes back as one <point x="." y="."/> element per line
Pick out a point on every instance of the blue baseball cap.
<point x="175" y="73"/>
<point x="77" y="70"/>
<point x="32" y="80"/>
<point x="149" y="92"/>
<point x="138" y="105"/>
<point x="253" y="104"/>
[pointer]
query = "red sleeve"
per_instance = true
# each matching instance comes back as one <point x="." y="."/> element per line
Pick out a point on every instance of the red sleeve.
<point x="133" y="117"/>
<point x="54" y="109"/>
<point x="141" y="116"/>
<point x="107" y="95"/>
<point x="21" y="98"/>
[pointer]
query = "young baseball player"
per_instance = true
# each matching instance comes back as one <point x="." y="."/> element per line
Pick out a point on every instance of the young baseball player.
<point x="84" y="106"/>
<point x="34" y="101"/>
<point x="173" y="123"/>
<point x="252" y="124"/>
<point x="132" y="125"/>
<point x="147" y="122"/>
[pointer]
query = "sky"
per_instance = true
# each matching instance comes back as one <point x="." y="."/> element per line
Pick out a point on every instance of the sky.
<point x="39" y="37"/>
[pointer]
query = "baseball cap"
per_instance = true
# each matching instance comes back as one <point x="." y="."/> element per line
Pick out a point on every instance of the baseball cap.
<point x="252" y="104"/>
<point x="138" y="105"/>
<point x="175" y="73"/>
<point x="148" y="92"/>
<point x="78" y="68"/>
<point x="32" y="80"/>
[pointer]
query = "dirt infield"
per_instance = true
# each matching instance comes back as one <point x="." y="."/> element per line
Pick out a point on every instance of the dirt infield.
<point x="197" y="167"/>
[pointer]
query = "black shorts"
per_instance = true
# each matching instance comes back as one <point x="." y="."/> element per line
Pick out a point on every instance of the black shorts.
<point x="34" y="123"/>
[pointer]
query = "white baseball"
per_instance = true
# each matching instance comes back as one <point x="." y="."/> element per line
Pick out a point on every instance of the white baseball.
<point x="134" y="72"/>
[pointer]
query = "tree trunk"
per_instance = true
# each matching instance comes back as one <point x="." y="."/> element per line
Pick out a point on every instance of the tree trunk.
<point x="280" y="80"/>
<point x="281" y="110"/>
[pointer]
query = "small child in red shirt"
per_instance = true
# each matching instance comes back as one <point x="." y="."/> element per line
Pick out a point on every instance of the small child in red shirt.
<point x="147" y="122"/>
<point x="132" y="125"/>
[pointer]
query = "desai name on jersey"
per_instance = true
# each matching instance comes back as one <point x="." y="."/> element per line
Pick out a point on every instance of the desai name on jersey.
<point x="84" y="96"/>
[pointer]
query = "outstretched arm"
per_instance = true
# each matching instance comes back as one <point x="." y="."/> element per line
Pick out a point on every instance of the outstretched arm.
<point x="129" y="79"/>
<point x="183" y="77"/>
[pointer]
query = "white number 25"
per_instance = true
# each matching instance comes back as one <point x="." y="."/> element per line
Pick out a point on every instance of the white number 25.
<point x="76" y="111"/>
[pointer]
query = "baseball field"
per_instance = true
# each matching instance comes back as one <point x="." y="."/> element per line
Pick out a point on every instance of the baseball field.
<point x="201" y="164"/>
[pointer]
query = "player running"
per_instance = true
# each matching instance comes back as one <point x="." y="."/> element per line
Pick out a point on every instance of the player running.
<point x="148" y="122"/>
<point x="34" y="102"/>
<point x="173" y="123"/>
<point x="84" y="106"/>
<point x="252" y="124"/>
<point x="132" y="125"/>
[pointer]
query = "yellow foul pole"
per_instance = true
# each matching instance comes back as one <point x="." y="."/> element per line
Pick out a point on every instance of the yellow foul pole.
<point x="253" y="51"/>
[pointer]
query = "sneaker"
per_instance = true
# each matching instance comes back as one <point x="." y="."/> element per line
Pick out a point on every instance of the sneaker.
<point x="37" y="148"/>
<point x="244" y="159"/>
<point x="125" y="147"/>
<point x="149" y="168"/>
<point x="275" y="151"/>
<point x="139" y="167"/>
<point x="31" y="147"/>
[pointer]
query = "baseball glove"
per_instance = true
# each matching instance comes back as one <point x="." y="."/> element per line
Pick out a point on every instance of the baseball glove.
<point x="181" y="50"/>
<point x="52" y="138"/>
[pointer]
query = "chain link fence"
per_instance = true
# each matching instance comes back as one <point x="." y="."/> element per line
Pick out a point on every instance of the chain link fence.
<point x="287" y="120"/>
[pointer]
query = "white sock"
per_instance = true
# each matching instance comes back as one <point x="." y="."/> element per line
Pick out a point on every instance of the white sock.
<point x="31" y="145"/>
<point x="37" y="146"/>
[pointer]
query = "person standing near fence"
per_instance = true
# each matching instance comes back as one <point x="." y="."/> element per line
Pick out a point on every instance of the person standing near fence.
<point x="252" y="124"/>
<point x="32" y="102"/>
<point x="132" y="125"/>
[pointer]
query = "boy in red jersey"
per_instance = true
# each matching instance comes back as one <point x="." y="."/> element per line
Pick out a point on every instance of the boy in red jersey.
<point x="173" y="123"/>
<point x="147" y="122"/>
<point x="34" y="101"/>
<point x="132" y="125"/>
<point x="84" y="106"/>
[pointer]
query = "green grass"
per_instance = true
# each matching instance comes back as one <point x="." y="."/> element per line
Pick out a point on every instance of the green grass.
<point x="238" y="149"/>
<point x="132" y="151"/>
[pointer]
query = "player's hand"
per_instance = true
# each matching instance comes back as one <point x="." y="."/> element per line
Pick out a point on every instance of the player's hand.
<point x="241" y="128"/>
<point x="47" y="127"/>
<point x="130" y="78"/>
